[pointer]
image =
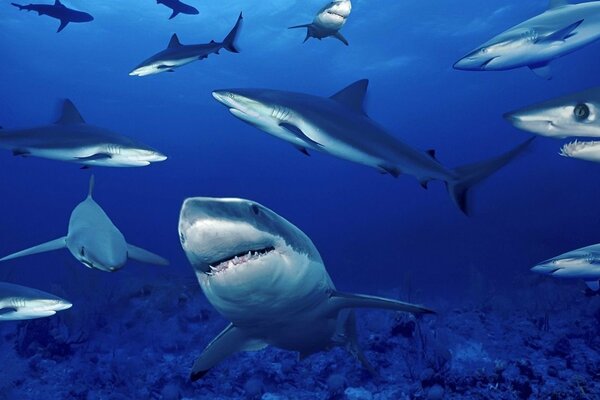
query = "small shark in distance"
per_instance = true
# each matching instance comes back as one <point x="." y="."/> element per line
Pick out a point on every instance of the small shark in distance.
<point x="72" y="139"/>
<point x="562" y="29"/>
<point x="94" y="240"/>
<point x="266" y="276"/>
<point x="177" y="54"/>
<point x="328" y="22"/>
<point x="573" y="115"/>
<point x="582" y="264"/>
<point x="178" y="7"/>
<point x="58" y="11"/>
<point x="338" y="125"/>
<point x="20" y="303"/>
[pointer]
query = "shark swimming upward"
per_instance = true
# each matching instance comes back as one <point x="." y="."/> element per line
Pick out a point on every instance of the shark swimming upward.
<point x="72" y="139"/>
<point x="58" y="11"/>
<point x="328" y="22"/>
<point x="573" y="115"/>
<point x="266" y="276"/>
<point x="94" y="240"/>
<point x="338" y="125"/>
<point x="19" y="303"/>
<point x="177" y="54"/>
<point x="562" y="29"/>
<point x="581" y="264"/>
<point x="178" y="7"/>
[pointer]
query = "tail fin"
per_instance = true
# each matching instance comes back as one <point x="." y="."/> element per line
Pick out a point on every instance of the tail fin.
<point x="472" y="174"/>
<point x="229" y="41"/>
<point x="308" y="28"/>
<point x="20" y="7"/>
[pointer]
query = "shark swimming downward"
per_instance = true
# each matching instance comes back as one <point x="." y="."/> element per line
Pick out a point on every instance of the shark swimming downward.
<point x="58" y="11"/>
<point x="338" y="125"/>
<point x="20" y="303"/>
<point x="266" y="276"/>
<point x="177" y="55"/>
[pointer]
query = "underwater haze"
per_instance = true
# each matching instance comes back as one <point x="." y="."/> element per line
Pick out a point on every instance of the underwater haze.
<point x="500" y="332"/>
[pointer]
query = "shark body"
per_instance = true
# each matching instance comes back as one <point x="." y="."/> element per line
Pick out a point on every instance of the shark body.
<point x="338" y="125"/>
<point x="58" y="11"/>
<point x="178" y="7"/>
<point x="20" y="303"/>
<point x="266" y="276"/>
<point x="561" y="30"/>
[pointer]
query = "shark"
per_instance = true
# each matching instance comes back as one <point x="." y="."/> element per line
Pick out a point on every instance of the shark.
<point x="328" y="21"/>
<point x="20" y="303"/>
<point x="71" y="139"/>
<point x="562" y="29"/>
<point x="338" y="125"/>
<point x="582" y="264"/>
<point x="94" y="240"/>
<point x="177" y="54"/>
<point x="573" y="115"/>
<point x="178" y="7"/>
<point x="266" y="276"/>
<point x="58" y="11"/>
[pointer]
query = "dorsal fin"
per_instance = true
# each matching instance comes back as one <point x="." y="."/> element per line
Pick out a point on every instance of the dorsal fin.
<point x="353" y="96"/>
<point x="70" y="115"/>
<point x="174" y="42"/>
<point x="92" y="184"/>
<point x="57" y="3"/>
<point x="557" y="3"/>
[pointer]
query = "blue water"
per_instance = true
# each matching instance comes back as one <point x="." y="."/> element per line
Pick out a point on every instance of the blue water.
<point x="376" y="234"/>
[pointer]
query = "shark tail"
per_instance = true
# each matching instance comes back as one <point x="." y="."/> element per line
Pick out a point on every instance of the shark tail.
<point x="472" y="174"/>
<point x="20" y="7"/>
<point x="229" y="41"/>
<point x="308" y="30"/>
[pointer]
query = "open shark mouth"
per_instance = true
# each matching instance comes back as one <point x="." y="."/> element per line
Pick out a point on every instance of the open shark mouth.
<point x="571" y="149"/>
<point x="238" y="259"/>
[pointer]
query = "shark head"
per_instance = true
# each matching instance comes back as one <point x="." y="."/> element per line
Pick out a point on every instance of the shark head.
<point x="106" y="251"/>
<point x="333" y="16"/>
<point x="21" y="303"/>
<point x="247" y="256"/>
<point x="572" y="115"/>
<point x="148" y="68"/>
<point x="582" y="263"/>
<point x="498" y="54"/>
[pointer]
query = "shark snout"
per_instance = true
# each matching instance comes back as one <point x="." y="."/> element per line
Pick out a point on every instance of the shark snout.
<point x="223" y="97"/>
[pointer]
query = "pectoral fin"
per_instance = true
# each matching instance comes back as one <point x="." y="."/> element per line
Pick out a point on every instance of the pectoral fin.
<point x="542" y="70"/>
<point x="302" y="150"/>
<point x="41" y="248"/>
<point x="392" y="170"/>
<point x="139" y="254"/>
<point x="339" y="301"/>
<point x="229" y="341"/>
<point x="562" y="34"/>
<point x="63" y="24"/>
<point x="298" y="133"/>
<point x="341" y="38"/>
<point x="95" y="157"/>
<point x="174" y="14"/>
<point x="593" y="285"/>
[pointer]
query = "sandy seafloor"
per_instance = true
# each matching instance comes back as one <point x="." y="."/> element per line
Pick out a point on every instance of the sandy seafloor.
<point x="542" y="343"/>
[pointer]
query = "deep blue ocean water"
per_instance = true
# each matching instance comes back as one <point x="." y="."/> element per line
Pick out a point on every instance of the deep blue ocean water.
<point x="376" y="234"/>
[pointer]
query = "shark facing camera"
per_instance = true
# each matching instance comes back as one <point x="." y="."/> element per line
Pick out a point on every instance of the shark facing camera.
<point x="266" y="276"/>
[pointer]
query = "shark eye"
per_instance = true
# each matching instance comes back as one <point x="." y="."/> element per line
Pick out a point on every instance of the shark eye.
<point x="484" y="50"/>
<point x="255" y="209"/>
<point x="581" y="112"/>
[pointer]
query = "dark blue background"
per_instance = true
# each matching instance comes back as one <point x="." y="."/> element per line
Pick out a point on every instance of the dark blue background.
<point x="374" y="232"/>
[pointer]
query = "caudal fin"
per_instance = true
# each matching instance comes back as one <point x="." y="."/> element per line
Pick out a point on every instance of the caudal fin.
<point x="20" y="7"/>
<point x="229" y="41"/>
<point x="472" y="174"/>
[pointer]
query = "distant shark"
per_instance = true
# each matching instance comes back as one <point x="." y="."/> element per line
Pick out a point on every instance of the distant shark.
<point x="562" y="29"/>
<point x="582" y="264"/>
<point x="573" y="115"/>
<point x="20" y="303"/>
<point x="178" y="7"/>
<point x="266" y="276"/>
<point x="328" y="22"/>
<point x="71" y="139"/>
<point x="94" y="240"/>
<point x="177" y="54"/>
<point x="338" y="125"/>
<point x="58" y="11"/>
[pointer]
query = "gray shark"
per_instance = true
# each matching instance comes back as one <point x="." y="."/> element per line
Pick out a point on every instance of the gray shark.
<point x="266" y="276"/>
<point x="20" y="303"/>
<point x="328" y="21"/>
<point x="562" y="29"/>
<point x="573" y="115"/>
<point x="177" y="54"/>
<point x="582" y="264"/>
<point x="71" y="139"/>
<point x="338" y="125"/>
<point x="94" y="240"/>
<point x="58" y="11"/>
<point x="178" y="7"/>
